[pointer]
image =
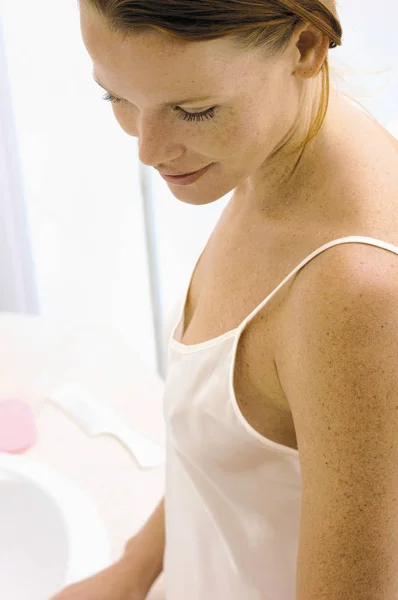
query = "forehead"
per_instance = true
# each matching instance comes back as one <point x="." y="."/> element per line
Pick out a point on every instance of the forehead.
<point x="139" y="62"/>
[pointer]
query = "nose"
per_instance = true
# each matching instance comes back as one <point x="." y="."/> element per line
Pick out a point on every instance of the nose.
<point x="155" y="144"/>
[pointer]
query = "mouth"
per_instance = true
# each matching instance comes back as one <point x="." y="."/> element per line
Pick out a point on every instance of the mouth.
<point x="181" y="174"/>
<point x="188" y="178"/>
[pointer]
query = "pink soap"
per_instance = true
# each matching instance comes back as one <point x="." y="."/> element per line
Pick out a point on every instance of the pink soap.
<point x="18" y="430"/>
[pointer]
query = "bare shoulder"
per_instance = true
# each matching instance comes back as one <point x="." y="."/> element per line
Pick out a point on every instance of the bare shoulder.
<point x="341" y="275"/>
<point x="347" y="267"/>
<point x="350" y="285"/>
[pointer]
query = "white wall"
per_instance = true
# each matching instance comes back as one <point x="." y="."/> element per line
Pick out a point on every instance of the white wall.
<point x="18" y="290"/>
<point x="370" y="55"/>
<point x="82" y="177"/>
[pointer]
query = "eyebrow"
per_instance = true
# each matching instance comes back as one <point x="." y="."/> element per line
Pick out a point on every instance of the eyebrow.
<point x="168" y="104"/>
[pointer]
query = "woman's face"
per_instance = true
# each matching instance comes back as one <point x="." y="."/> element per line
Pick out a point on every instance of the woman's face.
<point x="249" y="104"/>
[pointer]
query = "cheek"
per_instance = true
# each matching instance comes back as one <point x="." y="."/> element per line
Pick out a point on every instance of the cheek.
<point x="246" y="132"/>
<point x="252" y="135"/>
<point x="232" y="134"/>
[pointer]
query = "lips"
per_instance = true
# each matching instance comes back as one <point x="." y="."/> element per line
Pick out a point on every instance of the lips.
<point x="187" y="179"/>
<point x="180" y="174"/>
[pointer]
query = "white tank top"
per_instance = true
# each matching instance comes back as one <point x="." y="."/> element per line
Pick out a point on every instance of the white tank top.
<point x="232" y="500"/>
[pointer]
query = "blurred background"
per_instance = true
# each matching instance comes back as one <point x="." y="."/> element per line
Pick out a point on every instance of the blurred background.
<point x="86" y="232"/>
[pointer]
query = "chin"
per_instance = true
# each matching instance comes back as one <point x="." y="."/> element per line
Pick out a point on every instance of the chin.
<point x="198" y="199"/>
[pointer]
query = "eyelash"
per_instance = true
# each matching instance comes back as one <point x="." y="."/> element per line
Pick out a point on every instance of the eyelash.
<point x="185" y="116"/>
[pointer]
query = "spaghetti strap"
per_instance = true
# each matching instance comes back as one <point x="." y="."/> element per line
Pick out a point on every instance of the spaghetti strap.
<point x="346" y="240"/>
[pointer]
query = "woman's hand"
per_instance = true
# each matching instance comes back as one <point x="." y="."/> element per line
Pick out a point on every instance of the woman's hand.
<point x="117" y="582"/>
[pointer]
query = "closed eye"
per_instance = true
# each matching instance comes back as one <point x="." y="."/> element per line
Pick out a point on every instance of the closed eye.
<point x="183" y="114"/>
<point x="110" y="98"/>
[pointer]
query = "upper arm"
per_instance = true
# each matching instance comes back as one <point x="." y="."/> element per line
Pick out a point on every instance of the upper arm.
<point x="338" y="365"/>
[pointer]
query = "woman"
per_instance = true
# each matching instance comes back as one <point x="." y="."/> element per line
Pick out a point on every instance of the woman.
<point x="281" y="399"/>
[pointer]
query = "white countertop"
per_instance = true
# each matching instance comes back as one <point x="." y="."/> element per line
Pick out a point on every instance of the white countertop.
<point x="36" y="354"/>
<point x="124" y="495"/>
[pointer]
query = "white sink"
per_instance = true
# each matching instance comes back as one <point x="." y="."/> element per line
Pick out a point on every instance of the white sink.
<point x="51" y="534"/>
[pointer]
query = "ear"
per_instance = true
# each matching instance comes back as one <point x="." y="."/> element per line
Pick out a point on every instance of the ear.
<point x="310" y="47"/>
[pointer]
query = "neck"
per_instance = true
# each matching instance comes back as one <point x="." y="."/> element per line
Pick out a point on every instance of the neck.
<point x="280" y="182"/>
